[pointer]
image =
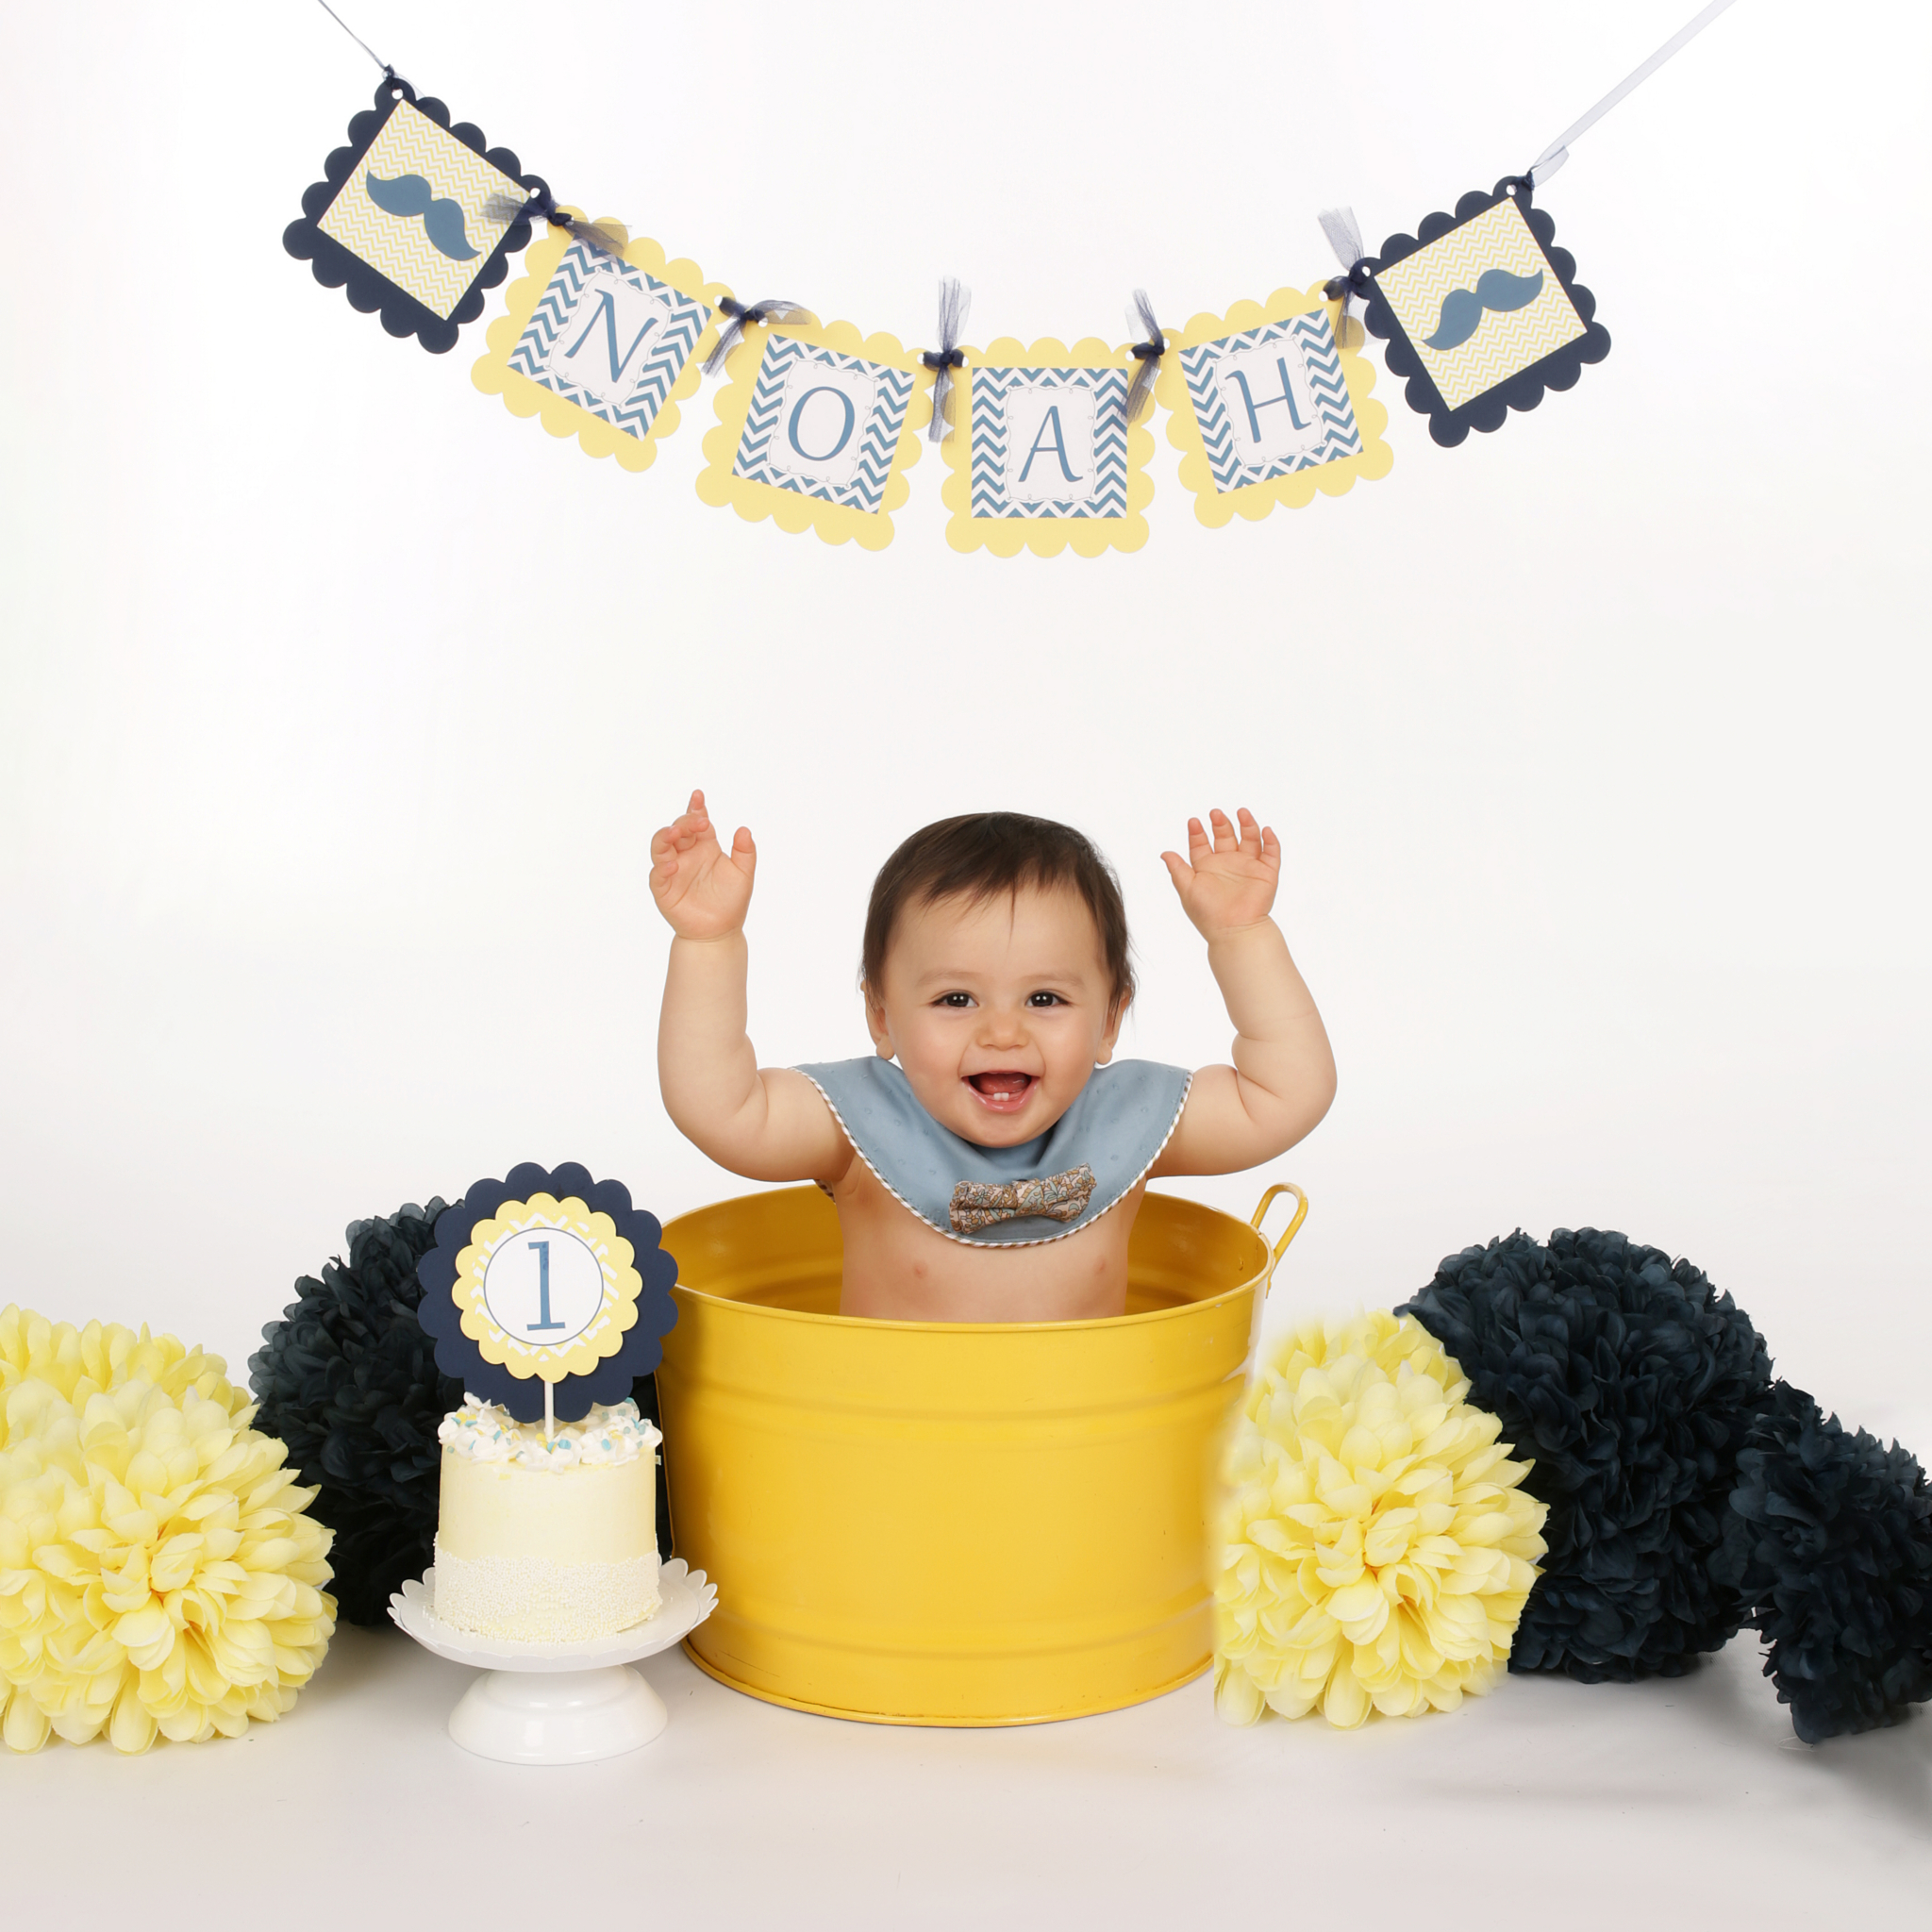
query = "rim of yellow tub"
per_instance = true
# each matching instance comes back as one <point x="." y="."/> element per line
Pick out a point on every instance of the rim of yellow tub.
<point x="874" y="1323"/>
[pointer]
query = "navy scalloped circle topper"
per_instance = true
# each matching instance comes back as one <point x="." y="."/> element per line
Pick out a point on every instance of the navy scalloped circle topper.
<point x="572" y="1398"/>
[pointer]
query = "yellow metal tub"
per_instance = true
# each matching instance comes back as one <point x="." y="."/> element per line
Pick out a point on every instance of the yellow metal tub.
<point x="946" y="1524"/>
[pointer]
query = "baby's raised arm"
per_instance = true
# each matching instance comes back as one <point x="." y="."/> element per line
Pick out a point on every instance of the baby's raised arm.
<point x="1283" y="1075"/>
<point x="767" y="1123"/>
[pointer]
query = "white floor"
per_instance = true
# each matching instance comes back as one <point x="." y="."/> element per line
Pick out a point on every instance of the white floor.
<point x="1549" y="1803"/>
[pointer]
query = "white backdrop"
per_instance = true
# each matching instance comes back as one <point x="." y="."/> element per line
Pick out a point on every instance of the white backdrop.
<point x="1595" y="744"/>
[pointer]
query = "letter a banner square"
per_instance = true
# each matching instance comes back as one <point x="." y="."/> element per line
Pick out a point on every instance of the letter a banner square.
<point x="601" y="345"/>
<point x="1044" y="458"/>
<point x="817" y="427"/>
<point x="1267" y="407"/>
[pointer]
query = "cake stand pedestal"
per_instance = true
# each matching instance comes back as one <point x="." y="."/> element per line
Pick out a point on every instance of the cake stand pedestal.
<point x="558" y="1703"/>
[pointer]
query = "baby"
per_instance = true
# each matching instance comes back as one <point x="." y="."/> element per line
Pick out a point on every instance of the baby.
<point x="987" y="1164"/>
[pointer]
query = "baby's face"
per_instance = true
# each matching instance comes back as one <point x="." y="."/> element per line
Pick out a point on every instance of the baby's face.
<point x="996" y="1012"/>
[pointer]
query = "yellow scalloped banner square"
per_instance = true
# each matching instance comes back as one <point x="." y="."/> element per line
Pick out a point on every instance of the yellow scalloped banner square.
<point x="1042" y="454"/>
<point x="1225" y="378"/>
<point x="599" y="346"/>
<point x="555" y="1261"/>
<point x="817" y="426"/>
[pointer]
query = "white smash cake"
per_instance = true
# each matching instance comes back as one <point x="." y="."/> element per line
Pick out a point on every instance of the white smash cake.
<point x="549" y="1541"/>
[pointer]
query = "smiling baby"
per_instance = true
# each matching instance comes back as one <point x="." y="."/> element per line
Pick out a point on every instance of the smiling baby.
<point x="988" y="1161"/>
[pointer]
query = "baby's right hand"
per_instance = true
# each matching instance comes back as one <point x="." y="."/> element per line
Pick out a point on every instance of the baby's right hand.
<point x="701" y="890"/>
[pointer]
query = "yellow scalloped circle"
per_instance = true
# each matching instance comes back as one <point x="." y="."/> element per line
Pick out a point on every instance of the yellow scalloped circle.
<point x="1044" y="536"/>
<point x="623" y="1285"/>
<point x="1254" y="500"/>
<point x="836" y="523"/>
<point x="493" y="375"/>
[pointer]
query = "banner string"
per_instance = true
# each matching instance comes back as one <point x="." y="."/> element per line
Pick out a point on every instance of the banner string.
<point x="1558" y="152"/>
<point x="1339" y="224"/>
<point x="356" y="38"/>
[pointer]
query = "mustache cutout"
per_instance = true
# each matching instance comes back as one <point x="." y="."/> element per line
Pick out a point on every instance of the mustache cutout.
<point x="442" y="219"/>
<point x="1463" y="308"/>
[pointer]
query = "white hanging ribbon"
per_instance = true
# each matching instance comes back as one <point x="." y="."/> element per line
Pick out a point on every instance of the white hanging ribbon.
<point x="1558" y="152"/>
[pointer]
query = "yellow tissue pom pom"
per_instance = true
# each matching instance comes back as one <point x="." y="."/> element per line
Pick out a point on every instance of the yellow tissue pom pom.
<point x="158" y="1573"/>
<point x="1375" y="1550"/>
<point x="79" y="1362"/>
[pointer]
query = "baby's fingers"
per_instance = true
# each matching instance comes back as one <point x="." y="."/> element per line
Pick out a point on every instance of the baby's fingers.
<point x="1200" y="846"/>
<point x="1178" y="869"/>
<point x="1225" y="838"/>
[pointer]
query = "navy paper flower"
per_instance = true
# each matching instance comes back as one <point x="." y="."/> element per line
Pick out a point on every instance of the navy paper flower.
<point x="1829" y="1542"/>
<point x="607" y="1379"/>
<point x="348" y="1380"/>
<point x="1633" y="1384"/>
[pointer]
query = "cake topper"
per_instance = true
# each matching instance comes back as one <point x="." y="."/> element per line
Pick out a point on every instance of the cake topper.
<point x="547" y="1293"/>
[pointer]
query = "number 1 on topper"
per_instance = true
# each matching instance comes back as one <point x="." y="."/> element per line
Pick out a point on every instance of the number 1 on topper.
<point x="542" y="1320"/>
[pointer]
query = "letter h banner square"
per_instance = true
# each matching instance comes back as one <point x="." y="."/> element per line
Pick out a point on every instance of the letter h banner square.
<point x="1270" y="401"/>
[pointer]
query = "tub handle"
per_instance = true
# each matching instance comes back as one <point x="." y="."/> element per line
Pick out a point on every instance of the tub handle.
<point x="1289" y="1233"/>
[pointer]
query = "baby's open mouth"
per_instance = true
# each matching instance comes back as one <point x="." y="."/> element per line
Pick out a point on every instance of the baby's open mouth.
<point x="1004" y="1089"/>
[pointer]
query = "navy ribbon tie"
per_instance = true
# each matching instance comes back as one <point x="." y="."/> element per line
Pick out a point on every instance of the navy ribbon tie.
<point x="1358" y="270"/>
<point x="740" y="317"/>
<point x="1146" y="356"/>
<point x="956" y="298"/>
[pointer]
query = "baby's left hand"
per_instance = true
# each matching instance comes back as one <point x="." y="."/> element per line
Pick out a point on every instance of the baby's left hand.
<point x="1229" y="882"/>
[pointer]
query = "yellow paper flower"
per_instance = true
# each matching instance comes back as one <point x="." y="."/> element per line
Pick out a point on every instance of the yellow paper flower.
<point x="79" y="1362"/>
<point x="1375" y="1550"/>
<point x="158" y="1574"/>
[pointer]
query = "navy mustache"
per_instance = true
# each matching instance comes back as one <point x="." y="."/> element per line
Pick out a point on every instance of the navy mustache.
<point x="1463" y="308"/>
<point x="442" y="219"/>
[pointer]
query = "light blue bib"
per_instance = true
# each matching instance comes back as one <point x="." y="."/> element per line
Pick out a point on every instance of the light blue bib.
<point x="1042" y="1190"/>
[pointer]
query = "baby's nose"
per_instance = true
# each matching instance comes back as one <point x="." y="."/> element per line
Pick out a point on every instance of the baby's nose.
<point x="1004" y="1026"/>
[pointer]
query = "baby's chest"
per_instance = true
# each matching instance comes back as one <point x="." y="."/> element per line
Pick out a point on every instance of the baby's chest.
<point x="899" y="1267"/>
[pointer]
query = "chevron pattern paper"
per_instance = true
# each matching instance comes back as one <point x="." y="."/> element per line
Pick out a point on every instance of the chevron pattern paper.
<point x="610" y="338"/>
<point x="1237" y="382"/>
<point x="1049" y="442"/>
<point x="468" y="206"/>
<point x="823" y="424"/>
<point x="1503" y="342"/>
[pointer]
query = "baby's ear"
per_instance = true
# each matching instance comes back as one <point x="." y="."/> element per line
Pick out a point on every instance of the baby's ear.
<point x="876" y="1023"/>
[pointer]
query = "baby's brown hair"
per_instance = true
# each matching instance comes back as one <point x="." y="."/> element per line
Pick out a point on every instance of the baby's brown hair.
<point x="982" y="854"/>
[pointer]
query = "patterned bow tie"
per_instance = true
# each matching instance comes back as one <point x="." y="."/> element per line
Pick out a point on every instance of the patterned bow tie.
<point x="1057" y="1197"/>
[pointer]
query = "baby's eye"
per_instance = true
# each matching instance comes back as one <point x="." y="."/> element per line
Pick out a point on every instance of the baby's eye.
<point x="954" y="1000"/>
<point x="1044" y="999"/>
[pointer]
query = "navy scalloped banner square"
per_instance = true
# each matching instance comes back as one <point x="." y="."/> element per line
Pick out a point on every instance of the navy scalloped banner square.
<point x="415" y="218"/>
<point x="1482" y="313"/>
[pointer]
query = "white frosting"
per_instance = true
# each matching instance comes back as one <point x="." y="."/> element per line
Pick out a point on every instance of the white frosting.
<point x="535" y="1600"/>
<point x="483" y="1432"/>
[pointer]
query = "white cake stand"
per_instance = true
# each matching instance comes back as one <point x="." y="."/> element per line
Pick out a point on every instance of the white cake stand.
<point x="558" y="1703"/>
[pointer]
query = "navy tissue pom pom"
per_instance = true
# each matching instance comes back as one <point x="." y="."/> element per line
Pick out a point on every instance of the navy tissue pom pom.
<point x="349" y="1379"/>
<point x="1829" y="1540"/>
<point x="1633" y="1384"/>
